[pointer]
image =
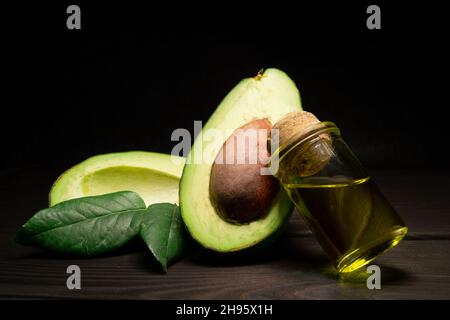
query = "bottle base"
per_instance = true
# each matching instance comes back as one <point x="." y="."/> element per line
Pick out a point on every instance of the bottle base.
<point x="364" y="255"/>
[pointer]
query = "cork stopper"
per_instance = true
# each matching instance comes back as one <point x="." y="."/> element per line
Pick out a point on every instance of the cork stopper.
<point x="292" y="126"/>
<point x="310" y="158"/>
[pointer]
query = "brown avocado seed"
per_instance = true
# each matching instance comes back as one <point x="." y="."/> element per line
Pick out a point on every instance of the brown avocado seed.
<point x="238" y="190"/>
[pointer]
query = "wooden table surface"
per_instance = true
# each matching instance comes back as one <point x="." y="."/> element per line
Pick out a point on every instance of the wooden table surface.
<point x="293" y="268"/>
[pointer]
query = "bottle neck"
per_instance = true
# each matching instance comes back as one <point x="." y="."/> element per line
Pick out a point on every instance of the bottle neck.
<point x="303" y="137"/>
<point x="306" y="152"/>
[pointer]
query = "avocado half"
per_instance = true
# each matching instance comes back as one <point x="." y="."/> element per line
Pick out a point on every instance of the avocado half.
<point x="269" y="95"/>
<point x="154" y="176"/>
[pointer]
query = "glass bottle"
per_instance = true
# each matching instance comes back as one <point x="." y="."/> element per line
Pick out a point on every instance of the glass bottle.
<point x="351" y="219"/>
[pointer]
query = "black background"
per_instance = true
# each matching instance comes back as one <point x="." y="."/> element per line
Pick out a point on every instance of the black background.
<point x="133" y="74"/>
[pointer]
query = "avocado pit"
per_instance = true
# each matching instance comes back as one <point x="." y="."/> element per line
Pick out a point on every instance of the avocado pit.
<point x="238" y="190"/>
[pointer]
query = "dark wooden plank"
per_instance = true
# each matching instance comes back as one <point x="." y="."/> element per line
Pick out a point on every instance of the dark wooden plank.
<point x="295" y="268"/>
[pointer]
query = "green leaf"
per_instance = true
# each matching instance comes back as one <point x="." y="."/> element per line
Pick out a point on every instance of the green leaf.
<point x="162" y="229"/>
<point x="86" y="226"/>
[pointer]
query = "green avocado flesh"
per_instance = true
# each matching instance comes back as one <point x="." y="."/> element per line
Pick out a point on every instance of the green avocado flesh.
<point x="154" y="176"/>
<point x="269" y="95"/>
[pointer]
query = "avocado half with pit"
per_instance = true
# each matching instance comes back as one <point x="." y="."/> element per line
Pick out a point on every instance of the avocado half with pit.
<point x="154" y="176"/>
<point x="268" y="96"/>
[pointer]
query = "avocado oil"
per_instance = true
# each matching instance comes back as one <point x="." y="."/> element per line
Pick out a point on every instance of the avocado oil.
<point x="351" y="219"/>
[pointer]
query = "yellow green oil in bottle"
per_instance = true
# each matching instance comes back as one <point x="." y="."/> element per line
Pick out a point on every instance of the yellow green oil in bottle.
<point x="351" y="219"/>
